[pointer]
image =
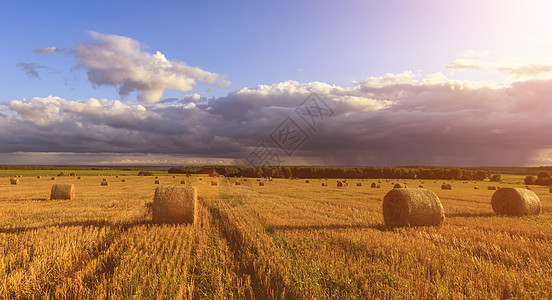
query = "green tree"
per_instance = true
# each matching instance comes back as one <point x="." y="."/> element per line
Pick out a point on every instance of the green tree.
<point x="495" y="178"/>
<point x="529" y="179"/>
<point x="480" y="175"/>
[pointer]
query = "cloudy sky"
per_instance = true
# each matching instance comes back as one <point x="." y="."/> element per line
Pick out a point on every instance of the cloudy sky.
<point x="466" y="83"/>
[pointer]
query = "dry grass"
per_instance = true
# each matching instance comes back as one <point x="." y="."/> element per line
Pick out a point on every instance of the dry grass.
<point x="285" y="240"/>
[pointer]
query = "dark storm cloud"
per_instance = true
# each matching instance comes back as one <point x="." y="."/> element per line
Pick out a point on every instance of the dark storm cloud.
<point x="389" y="120"/>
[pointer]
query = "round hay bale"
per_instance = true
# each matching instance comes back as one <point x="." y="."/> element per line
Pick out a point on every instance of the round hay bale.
<point x="53" y="178"/>
<point x="245" y="179"/>
<point x="79" y="177"/>
<point x="182" y="181"/>
<point x="214" y="182"/>
<point x="491" y="188"/>
<point x="237" y="183"/>
<point x="123" y="180"/>
<point x="174" y="176"/>
<point x="446" y="186"/>
<point x="307" y="181"/>
<point x="373" y="185"/>
<point x="261" y="183"/>
<point x="399" y="186"/>
<point x="475" y="188"/>
<point x="412" y="207"/>
<point x="515" y="202"/>
<point x="359" y="184"/>
<point x="174" y="204"/>
<point x="14" y="181"/>
<point x="342" y="184"/>
<point x="156" y="177"/>
<point x="421" y="186"/>
<point x="116" y="176"/>
<point x="324" y="184"/>
<point x="156" y="182"/>
<point x="38" y="176"/>
<point x="104" y="183"/>
<point x="62" y="192"/>
<point x="104" y="179"/>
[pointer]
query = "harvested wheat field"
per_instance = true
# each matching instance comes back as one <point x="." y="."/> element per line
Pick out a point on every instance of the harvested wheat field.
<point x="284" y="240"/>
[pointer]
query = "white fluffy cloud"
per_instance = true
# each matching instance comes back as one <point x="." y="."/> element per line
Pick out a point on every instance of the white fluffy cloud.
<point x="395" y="119"/>
<point x="525" y="71"/>
<point x="119" y="61"/>
<point x="46" y="50"/>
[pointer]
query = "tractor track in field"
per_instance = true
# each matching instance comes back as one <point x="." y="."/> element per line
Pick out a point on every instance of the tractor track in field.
<point x="250" y="258"/>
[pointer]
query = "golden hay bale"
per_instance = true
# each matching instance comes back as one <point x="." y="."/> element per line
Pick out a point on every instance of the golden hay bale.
<point x="245" y="179"/>
<point x="104" y="183"/>
<point x="475" y="188"/>
<point x="412" y="207"/>
<point x="324" y="184"/>
<point x="116" y="176"/>
<point x="156" y="177"/>
<point x="79" y="177"/>
<point x="14" y="181"/>
<point x="373" y="185"/>
<point x="182" y="181"/>
<point x="174" y="176"/>
<point x="307" y="181"/>
<point x="258" y="179"/>
<point x="359" y="184"/>
<point x="38" y="176"/>
<point x="399" y="186"/>
<point x="491" y="188"/>
<point x="105" y="179"/>
<point x="237" y="183"/>
<point x="62" y="192"/>
<point x="200" y="179"/>
<point x="53" y="178"/>
<point x="19" y="176"/>
<point x="261" y="183"/>
<point x="421" y="186"/>
<point x="342" y="183"/>
<point x="515" y="202"/>
<point x="123" y="180"/>
<point x="446" y="186"/>
<point x="174" y="204"/>
<point x="214" y="182"/>
<point x="156" y="182"/>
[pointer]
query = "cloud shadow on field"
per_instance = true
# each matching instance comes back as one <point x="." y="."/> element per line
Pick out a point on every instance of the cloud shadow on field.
<point x="271" y="229"/>
<point x="88" y="223"/>
<point x="469" y="215"/>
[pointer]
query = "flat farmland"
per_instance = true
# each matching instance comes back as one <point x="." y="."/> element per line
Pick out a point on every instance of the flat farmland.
<point x="286" y="239"/>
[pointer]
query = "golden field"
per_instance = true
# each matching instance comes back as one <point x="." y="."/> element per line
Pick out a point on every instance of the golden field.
<point x="287" y="239"/>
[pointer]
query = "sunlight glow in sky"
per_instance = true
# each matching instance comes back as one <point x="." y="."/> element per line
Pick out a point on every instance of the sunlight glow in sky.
<point x="172" y="82"/>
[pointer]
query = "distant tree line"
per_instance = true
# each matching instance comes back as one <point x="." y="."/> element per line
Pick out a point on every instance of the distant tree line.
<point x="452" y="173"/>
<point x="543" y="178"/>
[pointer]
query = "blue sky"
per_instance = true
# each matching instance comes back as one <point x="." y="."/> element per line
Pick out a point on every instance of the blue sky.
<point x="352" y="46"/>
